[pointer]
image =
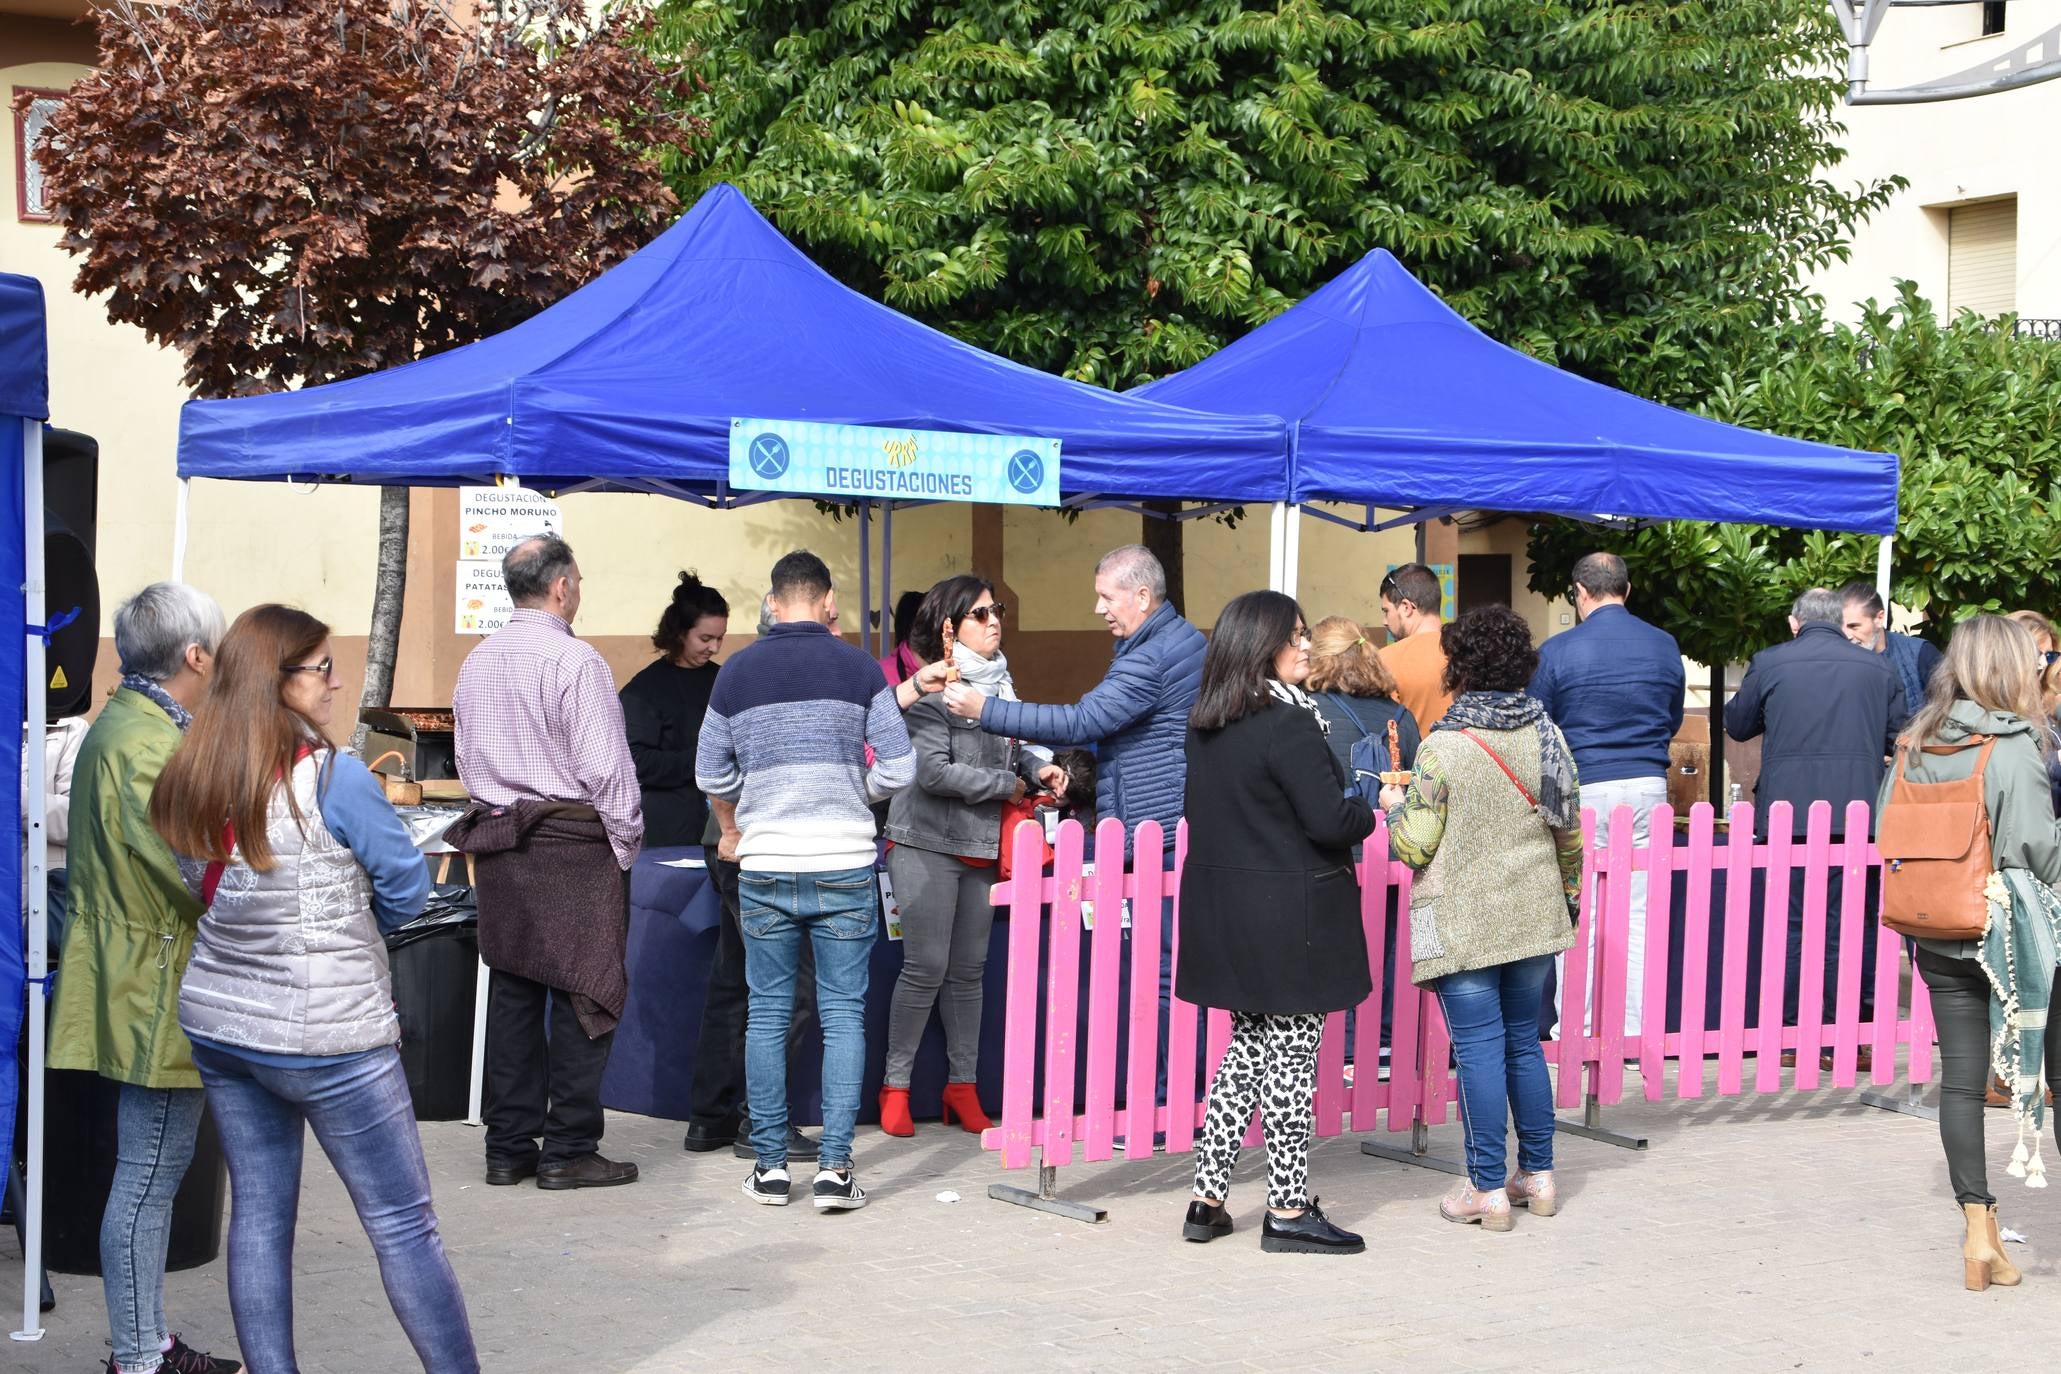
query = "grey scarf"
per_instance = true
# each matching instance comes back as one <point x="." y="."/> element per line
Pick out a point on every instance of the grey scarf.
<point x="144" y="686"/>
<point x="991" y="676"/>
<point x="1559" y="796"/>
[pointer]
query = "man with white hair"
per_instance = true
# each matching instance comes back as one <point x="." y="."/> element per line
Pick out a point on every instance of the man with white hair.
<point x="1830" y="712"/>
<point x="126" y="947"/>
<point x="1137" y="715"/>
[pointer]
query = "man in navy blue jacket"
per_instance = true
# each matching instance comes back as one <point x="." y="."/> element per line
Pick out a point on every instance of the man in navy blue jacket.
<point x="1137" y="714"/>
<point x="1614" y="685"/>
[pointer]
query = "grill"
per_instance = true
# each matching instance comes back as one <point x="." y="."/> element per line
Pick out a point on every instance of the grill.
<point x="424" y="736"/>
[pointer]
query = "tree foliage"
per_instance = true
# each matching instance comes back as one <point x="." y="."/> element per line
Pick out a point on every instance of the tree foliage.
<point x="1113" y="189"/>
<point x="298" y="192"/>
<point x="1972" y="410"/>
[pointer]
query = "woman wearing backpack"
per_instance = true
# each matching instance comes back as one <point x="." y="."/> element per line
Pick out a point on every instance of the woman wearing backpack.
<point x="1986" y="689"/>
<point x="1355" y="694"/>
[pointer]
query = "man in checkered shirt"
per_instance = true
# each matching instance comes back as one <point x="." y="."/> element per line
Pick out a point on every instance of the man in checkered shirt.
<point x="538" y="720"/>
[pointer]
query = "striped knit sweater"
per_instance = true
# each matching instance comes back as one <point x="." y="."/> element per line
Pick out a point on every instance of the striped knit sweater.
<point x="785" y="740"/>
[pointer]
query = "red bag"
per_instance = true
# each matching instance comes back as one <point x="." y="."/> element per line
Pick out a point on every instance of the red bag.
<point x="1015" y="813"/>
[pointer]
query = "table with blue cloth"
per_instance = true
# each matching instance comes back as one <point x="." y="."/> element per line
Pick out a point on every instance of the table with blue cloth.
<point x="674" y="916"/>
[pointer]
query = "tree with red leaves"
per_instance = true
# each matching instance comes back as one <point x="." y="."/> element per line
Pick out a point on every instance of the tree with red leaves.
<point x="291" y="192"/>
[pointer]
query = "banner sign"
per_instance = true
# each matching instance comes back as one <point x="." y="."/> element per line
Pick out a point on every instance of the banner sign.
<point x="862" y="463"/>
<point x="493" y="520"/>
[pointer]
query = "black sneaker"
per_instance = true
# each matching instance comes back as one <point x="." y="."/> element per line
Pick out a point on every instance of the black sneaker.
<point x="184" y="1359"/>
<point x="837" y="1192"/>
<point x="769" y="1186"/>
<point x="799" y="1146"/>
<point x="1309" y="1234"/>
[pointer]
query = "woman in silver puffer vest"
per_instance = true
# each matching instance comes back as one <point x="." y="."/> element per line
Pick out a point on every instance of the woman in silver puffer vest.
<point x="301" y="864"/>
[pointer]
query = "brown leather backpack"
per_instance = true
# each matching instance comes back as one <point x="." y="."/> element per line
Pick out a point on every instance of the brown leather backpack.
<point x="1935" y="844"/>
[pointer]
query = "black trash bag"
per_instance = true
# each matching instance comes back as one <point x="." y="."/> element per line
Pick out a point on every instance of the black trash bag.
<point x="453" y="909"/>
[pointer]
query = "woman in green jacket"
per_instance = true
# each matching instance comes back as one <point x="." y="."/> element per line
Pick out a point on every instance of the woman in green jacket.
<point x="130" y="934"/>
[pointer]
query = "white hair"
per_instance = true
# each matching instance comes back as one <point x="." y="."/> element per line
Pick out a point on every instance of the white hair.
<point x="1134" y="566"/>
<point x="154" y="628"/>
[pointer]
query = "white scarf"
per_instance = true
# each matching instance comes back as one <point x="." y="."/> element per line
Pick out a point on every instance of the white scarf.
<point x="991" y="676"/>
<point x="1296" y="696"/>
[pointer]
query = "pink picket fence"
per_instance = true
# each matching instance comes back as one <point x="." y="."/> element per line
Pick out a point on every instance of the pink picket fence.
<point x="1064" y="1076"/>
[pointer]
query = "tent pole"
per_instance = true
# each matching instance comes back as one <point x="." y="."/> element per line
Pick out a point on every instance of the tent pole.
<point x="1277" y="538"/>
<point x="35" y="699"/>
<point x="865" y="567"/>
<point x="883" y="640"/>
<point x="179" y="527"/>
<point x="1883" y="554"/>
<point x="1291" y="547"/>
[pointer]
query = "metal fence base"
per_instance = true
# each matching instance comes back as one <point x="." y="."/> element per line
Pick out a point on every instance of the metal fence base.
<point x="1590" y="1127"/>
<point x="1912" y="1103"/>
<point x="1418" y="1153"/>
<point x="1043" y="1200"/>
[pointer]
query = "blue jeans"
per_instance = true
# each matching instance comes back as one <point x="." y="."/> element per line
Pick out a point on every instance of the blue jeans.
<point x="155" y="1130"/>
<point x="834" y="911"/>
<point x="1493" y="1014"/>
<point x="365" y="1123"/>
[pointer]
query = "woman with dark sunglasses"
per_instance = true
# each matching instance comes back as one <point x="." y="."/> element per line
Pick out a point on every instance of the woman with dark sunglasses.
<point x="947" y="835"/>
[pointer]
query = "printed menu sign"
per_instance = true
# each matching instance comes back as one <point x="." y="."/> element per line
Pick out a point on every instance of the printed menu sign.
<point x="483" y="604"/>
<point x="493" y="520"/>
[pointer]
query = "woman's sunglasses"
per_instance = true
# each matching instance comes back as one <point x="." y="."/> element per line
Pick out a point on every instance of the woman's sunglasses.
<point x="992" y="611"/>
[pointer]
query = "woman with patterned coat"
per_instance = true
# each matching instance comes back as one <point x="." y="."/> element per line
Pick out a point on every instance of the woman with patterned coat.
<point x="301" y="864"/>
<point x="1492" y="824"/>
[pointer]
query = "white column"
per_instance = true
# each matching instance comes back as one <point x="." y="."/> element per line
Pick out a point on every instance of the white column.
<point x="179" y="527"/>
<point x="35" y="687"/>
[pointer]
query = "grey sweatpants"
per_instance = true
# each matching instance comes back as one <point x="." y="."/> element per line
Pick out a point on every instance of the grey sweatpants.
<point x="946" y="919"/>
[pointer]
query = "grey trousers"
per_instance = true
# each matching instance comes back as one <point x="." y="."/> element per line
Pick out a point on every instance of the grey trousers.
<point x="1960" y="1012"/>
<point x="946" y="919"/>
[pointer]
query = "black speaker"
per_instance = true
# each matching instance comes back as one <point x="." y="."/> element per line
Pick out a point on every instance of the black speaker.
<point x="71" y="498"/>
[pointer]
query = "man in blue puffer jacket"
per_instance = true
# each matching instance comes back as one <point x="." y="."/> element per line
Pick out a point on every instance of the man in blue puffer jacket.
<point x="1137" y="714"/>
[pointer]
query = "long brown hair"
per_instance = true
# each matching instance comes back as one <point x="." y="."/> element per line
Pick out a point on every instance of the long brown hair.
<point x="242" y="741"/>
<point x="1991" y="661"/>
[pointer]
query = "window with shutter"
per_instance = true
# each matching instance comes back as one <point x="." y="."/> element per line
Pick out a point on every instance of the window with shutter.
<point x="1982" y="257"/>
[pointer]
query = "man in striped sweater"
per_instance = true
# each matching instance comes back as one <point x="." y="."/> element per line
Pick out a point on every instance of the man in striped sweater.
<point x="782" y="759"/>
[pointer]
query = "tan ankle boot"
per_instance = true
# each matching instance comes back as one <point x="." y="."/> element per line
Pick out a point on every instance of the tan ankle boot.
<point x="1982" y="1253"/>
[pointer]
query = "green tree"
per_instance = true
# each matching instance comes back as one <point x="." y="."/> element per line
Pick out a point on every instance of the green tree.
<point x="1113" y="189"/>
<point x="1973" y="411"/>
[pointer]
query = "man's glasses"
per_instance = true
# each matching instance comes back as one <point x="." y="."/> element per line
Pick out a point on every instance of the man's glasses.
<point x="322" y="668"/>
<point x="992" y="611"/>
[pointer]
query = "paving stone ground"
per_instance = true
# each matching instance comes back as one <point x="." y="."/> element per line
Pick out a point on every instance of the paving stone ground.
<point x="1790" y="1232"/>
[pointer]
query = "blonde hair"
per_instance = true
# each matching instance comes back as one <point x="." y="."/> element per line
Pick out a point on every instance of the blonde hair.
<point x="2041" y="627"/>
<point x="1341" y="660"/>
<point x="1989" y="661"/>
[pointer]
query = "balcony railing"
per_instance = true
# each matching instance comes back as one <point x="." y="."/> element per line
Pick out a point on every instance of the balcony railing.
<point x="2039" y="329"/>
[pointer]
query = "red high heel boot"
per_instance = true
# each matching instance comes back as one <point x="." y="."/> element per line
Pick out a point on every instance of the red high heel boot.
<point x="894" y="1112"/>
<point x="963" y="1102"/>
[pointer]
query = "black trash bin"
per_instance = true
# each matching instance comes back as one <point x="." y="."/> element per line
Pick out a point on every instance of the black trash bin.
<point x="434" y="960"/>
<point x="80" y="1147"/>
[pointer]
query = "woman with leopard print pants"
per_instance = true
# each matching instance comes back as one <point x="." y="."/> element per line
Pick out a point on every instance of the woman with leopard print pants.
<point x="1270" y="912"/>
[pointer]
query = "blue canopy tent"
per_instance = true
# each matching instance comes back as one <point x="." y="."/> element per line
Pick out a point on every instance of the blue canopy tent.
<point x="1396" y="401"/>
<point x="24" y="406"/>
<point x="631" y="383"/>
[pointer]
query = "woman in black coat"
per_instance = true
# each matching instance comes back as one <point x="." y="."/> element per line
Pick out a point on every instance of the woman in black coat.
<point x="1270" y="911"/>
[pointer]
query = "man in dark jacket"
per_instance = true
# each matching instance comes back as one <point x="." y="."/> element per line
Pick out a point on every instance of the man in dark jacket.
<point x="1137" y="714"/>
<point x="1830" y="712"/>
<point x="1866" y="622"/>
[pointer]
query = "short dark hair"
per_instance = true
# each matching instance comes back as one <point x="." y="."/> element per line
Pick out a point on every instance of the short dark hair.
<point x="946" y="603"/>
<point x="1080" y="777"/>
<point x="1602" y="575"/>
<point x="1862" y="594"/>
<point x="801" y="576"/>
<point x="1416" y="584"/>
<point x="692" y="600"/>
<point x="1240" y="657"/>
<point x="1488" y="649"/>
<point x="532" y="566"/>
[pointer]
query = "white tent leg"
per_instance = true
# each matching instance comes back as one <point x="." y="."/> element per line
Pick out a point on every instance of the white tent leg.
<point x="1284" y="547"/>
<point x="34" y="694"/>
<point x="1883" y="553"/>
<point x="479" y="1047"/>
<point x="179" y="527"/>
<point x="865" y="570"/>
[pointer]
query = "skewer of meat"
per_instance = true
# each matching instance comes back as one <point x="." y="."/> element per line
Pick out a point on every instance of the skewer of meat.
<point x="950" y="636"/>
<point x="1399" y="777"/>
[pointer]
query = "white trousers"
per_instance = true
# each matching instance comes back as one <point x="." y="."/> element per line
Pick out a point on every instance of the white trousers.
<point x="1603" y="798"/>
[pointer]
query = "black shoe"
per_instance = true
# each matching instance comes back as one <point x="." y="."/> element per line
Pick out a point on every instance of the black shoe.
<point x="701" y="1139"/>
<point x="588" y="1171"/>
<point x="799" y="1147"/>
<point x="1206" y="1222"/>
<point x="184" y="1359"/>
<point x="837" y="1192"/>
<point x="1309" y="1234"/>
<point x="503" y="1175"/>
<point x="771" y="1187"/>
